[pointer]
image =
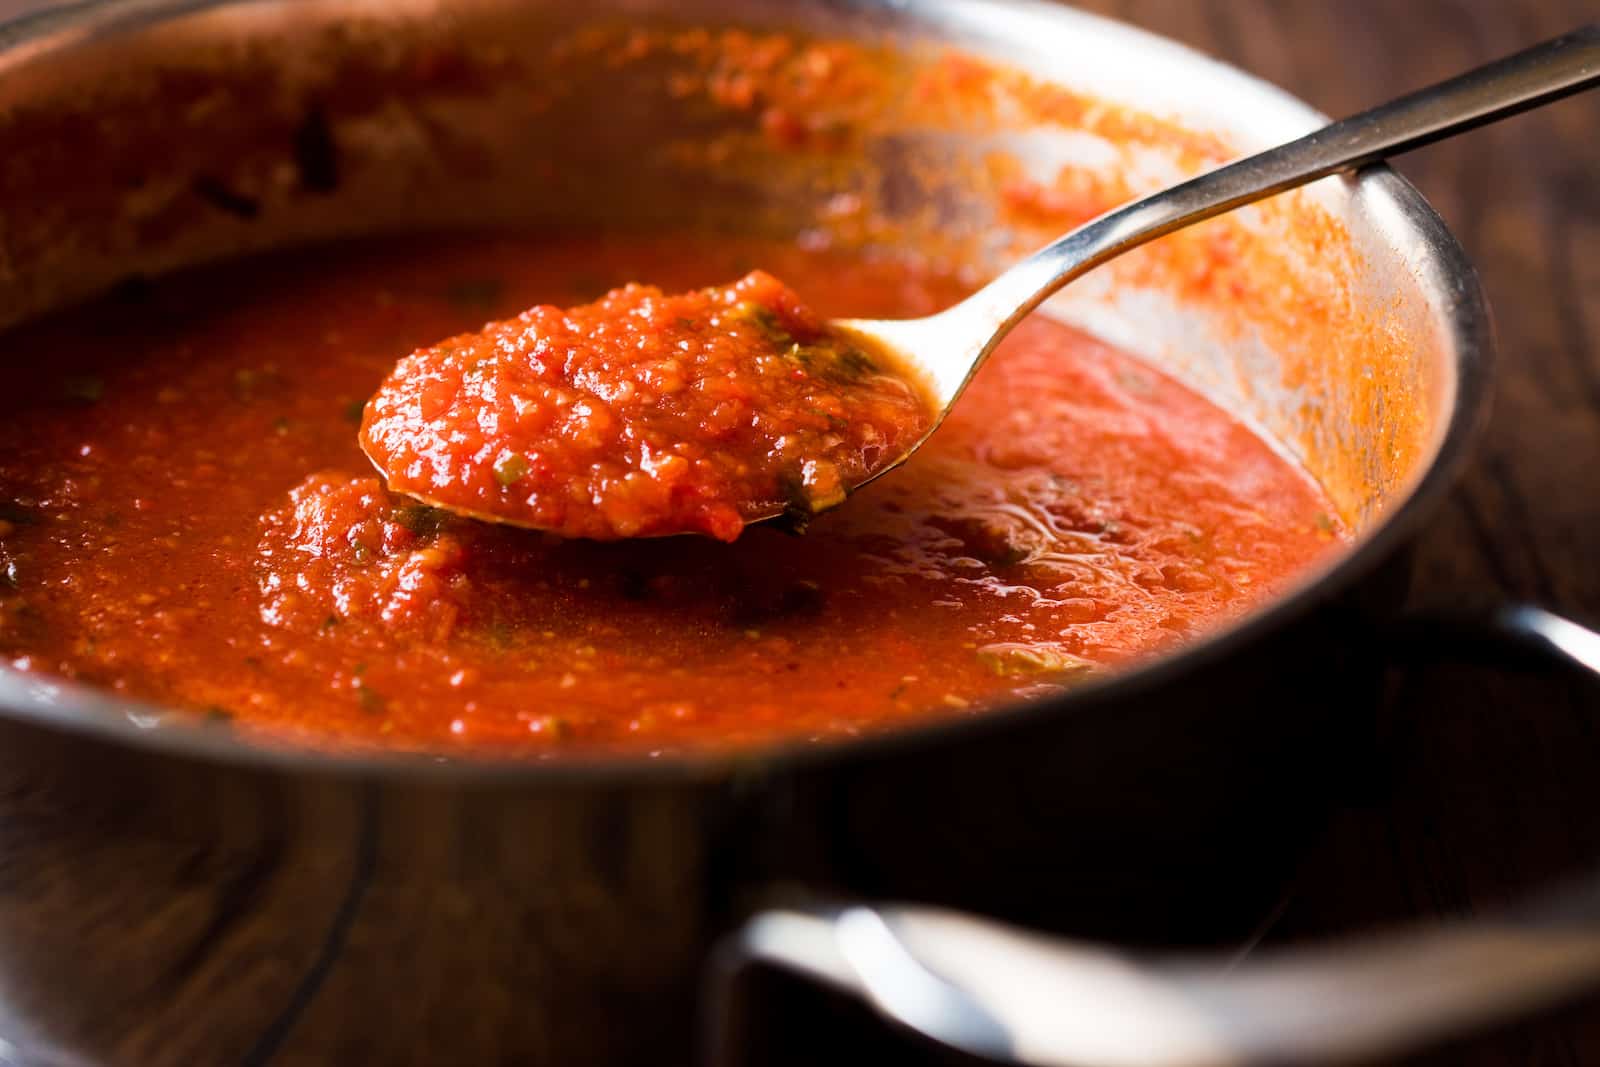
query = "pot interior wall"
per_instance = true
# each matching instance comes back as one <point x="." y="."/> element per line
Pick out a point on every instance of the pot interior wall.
<point x="253" y="126"/>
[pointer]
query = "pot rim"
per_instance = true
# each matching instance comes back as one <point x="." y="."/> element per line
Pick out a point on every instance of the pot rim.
<point x="1445" y="272"/>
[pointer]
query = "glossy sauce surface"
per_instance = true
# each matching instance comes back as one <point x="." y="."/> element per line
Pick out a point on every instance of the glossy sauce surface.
<point x="186" y="516"/>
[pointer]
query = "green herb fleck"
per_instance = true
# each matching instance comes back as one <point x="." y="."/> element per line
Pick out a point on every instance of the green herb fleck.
<point x="509" y="469"/>
<point x="361" y="552"/>
<point x="842" y="362"/>
<point x="83" y="388"/>
<point x="371" y="702"/>
<point x="855" y="363"/>
<point x="797" y="509"/>
<point x="354" y="410"/>
<point x="763" y="319"/>
<point x="1324" y="522"/>
<point x="835" y="422"/>
<point x="330" y="622"/>
<point x="422" y="520"/>
<point x="280" y="426"/>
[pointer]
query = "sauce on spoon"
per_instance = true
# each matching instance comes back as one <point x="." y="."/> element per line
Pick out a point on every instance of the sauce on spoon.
<point x="644" y="414"/>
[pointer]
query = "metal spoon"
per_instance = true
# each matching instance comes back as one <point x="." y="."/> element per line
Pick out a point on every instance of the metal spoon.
<point x="948" y="348"/>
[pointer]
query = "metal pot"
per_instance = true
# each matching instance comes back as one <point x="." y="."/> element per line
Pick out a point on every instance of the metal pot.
<point x="173" y="895"/>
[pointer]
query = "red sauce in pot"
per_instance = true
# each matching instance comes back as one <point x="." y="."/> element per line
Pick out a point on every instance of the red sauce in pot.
<point x="644" y="414"/>
<point x="186" y="517"/>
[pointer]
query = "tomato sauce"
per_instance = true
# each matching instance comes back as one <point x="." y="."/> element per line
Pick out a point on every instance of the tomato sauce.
<point x="644" y="414"/>
<point x="186" y="517"/>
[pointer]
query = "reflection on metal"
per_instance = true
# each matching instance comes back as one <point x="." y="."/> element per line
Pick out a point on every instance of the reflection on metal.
<point x="1579" y="645"/>
<point x="904" y="988"/>
<point x="799" y="942"/>
<point x="1012" y="996"/>
<point x="1017" y="997"/>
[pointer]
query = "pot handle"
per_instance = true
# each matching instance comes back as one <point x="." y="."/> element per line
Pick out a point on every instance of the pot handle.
<point x="1019" y="997"/>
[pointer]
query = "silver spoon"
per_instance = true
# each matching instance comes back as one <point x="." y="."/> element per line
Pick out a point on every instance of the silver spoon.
<point x="948" y="348"/>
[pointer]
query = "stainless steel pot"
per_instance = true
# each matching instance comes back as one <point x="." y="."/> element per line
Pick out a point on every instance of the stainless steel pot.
<point x="172" y="895"/>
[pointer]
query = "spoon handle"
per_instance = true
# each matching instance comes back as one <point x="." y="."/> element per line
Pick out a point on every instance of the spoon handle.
<point x="1505" y="87"/>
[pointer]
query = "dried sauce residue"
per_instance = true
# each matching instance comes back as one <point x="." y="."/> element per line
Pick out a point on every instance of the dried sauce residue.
<point x="1283" y="275"/>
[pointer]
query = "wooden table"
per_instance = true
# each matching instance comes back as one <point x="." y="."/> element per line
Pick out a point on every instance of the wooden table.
<point x="1490" y="784"/>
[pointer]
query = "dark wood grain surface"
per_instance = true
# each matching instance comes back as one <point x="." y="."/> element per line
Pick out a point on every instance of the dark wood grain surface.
<point x="1489" y="785"/>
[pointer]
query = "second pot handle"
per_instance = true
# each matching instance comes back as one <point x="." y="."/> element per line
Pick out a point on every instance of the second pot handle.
<point x="1019" y="997"/>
